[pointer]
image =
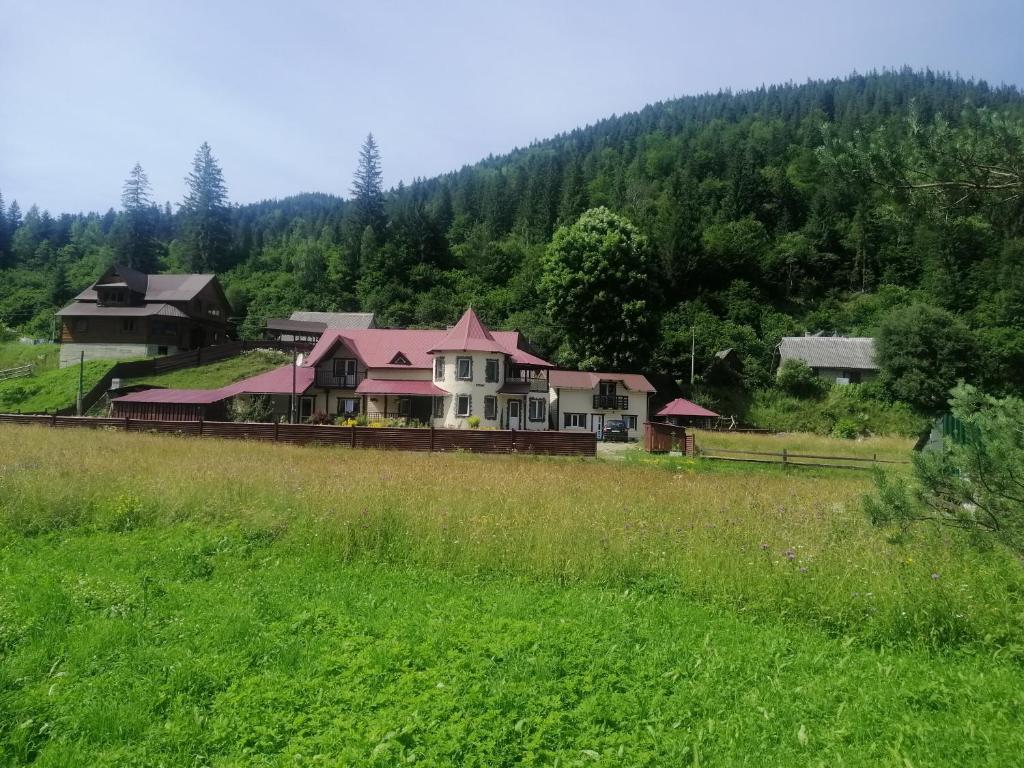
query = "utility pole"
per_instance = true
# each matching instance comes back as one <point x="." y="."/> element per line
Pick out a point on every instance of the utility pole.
<point x="294" y="416"/>
<point x="693" y="349"/>
<point x="81" y="381"/>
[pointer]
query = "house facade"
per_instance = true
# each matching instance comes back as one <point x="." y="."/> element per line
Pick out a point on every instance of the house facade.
<point x="127" y="313"/>
<point x="441" y="378"/>
<point x="839" y="359"/>
<point x="583" y="400"/>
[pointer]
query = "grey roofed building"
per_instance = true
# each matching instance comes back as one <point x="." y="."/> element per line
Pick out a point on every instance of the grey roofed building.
<point x="337" y="320"/>
<point x="310" y="326"/>
<point x="844" y="358"/>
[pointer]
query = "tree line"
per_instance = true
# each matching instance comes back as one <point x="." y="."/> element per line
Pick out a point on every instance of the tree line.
<point x="738" y="218"/>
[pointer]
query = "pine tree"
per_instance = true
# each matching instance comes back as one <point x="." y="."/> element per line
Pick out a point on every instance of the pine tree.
<point x="13" y="217"/>
<point x="368" y="188"/>
<point x="137" y="244"/>
<point x="4" y="247"/>
<point x="207" y="231"/>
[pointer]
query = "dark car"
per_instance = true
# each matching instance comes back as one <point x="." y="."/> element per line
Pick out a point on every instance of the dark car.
<point x="615" y="431"/>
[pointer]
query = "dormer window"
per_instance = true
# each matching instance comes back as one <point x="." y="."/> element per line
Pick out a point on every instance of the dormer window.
<point x="400" y="359"/>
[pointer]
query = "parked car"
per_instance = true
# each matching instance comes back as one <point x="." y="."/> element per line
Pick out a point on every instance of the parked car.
<point x="615" y="431"/>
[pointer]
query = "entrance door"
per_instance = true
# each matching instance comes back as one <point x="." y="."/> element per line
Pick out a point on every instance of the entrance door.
<point x="597" y="424"/>
<point x="513" y="414"/>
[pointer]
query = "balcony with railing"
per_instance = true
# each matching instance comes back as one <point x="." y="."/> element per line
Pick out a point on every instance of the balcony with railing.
<point x="611" y="402"/>
<point x="328" y="379"/>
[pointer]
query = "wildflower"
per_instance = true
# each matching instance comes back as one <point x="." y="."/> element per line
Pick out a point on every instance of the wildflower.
<point x="790" y="554"/>
<point x="764" y="546"/>
<point x="935" y="577"/>
<point x="803" y="569"/>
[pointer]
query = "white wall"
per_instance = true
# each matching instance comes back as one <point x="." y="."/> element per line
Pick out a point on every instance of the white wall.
<point x="582" y="401"/>
<point x="70" y="352"/>
<point x="477" y="388"/>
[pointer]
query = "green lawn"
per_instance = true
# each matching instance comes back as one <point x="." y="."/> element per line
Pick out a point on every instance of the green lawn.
<point x="162" y="601"/>
<point x="219" y="374"/>
<point x="51" y="389"/>
<point x="44" y="357"/>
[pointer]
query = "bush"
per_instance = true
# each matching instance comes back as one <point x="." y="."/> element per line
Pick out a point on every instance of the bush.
<point x="796" y="378"/>
<point x="318" y="417"/>
<point x="250" y="409"/>
<point x="473" y="422"/>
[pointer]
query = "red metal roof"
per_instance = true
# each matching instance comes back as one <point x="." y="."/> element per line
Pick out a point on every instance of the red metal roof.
<point x="683" y="407"/>
<point x="590" y="379"/>
<point x="192" y="396"/>
<point x="377" y="347"/>
<point x="468" y="335"/>
<point x="399" y="387"/>
<point x="275" y="382"/>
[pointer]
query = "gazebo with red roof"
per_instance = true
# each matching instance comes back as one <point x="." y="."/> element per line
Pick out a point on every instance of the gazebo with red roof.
<point x="685" y="413"/>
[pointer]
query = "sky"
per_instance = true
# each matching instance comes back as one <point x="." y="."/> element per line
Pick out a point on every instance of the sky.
<point x="286" y="91"/>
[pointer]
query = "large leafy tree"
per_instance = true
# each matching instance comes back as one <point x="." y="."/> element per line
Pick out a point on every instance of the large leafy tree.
<point x="922" y="352"/>
<point x="207" y="218"/>
<point x="597" y="282"/>
<point x="137" y="246"/>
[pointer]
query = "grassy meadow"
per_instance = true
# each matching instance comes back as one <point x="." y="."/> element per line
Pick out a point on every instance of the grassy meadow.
<point x="884" y="448"/>
<point x="198" y="602"/>
<point x="50" y="390"/>
<point x="44" y="357"/>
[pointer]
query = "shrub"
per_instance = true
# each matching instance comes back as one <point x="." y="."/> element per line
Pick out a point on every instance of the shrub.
<point x="250" y="409"/>
<point x="318" y="417"/>
<point x="473" y="422"/>
<point x="796" y="378"/>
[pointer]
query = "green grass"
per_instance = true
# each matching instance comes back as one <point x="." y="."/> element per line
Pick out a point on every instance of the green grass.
<point x="219" y="374"/>
<point x="842" y="409"/>
<point x="49" y="390"/>
<point x="199" y="602"/>
<point x="44" y="357"/>
<point x="887" y="448"/>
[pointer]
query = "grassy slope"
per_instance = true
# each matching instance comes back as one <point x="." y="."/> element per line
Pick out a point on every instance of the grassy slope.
<point x="160" y="601"/>
<point x="218" y="374"/>
<point x="44" y="356"/>
<point x="50" y="390"/>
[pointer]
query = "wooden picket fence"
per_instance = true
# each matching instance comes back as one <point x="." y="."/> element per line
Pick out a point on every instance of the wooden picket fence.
<point x="386" y="438"/>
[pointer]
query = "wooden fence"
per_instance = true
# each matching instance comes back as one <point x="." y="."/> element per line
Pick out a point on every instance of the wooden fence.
<point x="134" y="369"/>
<point x="16" y="373"/>
<point x="388" y="438"/>
<point x="789" y="459"/>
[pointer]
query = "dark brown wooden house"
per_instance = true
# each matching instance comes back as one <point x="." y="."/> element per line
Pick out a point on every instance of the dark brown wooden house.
<point x="127" y="313"/>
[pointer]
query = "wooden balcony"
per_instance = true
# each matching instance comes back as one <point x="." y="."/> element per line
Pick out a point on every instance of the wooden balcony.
<point x="611" y="402"/>
<point x="537" y="384"/>
<point x="325" y="378"/>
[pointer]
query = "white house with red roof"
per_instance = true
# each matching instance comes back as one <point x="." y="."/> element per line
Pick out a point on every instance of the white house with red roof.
<point x="585" y="400"/>
<point x="438" y="377"/>
<point x="441" y="378"/>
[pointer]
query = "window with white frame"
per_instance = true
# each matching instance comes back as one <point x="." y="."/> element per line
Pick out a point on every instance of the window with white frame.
<point x="464" y="406"/>
<point x="438" y="407"/>
<point x="439" y="369"/>
<point x="491" y="370"/>
<point x="538" y="409"/>
<point x="464" y="368"/>
<point x="490" y="407"/>
<point x="575" y="420"/>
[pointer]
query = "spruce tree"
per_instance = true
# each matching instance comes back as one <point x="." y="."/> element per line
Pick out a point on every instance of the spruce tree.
<point x="207" y="232"/>
<point x="368" y="188"/>
<point x="13" y="217"/>
<point x="137" y="244"/>
<point x="3" y="233"/>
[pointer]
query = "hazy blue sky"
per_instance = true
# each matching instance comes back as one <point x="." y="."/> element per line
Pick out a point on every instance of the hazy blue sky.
<point x="285" y="91"/>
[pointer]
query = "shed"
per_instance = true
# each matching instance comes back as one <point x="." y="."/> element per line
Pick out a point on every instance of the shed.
<point x="683" y="412"/>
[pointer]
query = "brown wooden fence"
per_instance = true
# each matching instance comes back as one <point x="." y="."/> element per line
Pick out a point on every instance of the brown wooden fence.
<point x="790" y="459"/>
<point x="388" y="438"/>
<point x="660" y="437"/>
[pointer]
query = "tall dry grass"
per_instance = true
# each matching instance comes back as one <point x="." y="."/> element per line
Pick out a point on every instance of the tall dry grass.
<point x="764" y="542"/>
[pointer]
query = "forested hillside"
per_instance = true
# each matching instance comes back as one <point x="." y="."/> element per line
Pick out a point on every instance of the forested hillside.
<point x="824" y="206"/>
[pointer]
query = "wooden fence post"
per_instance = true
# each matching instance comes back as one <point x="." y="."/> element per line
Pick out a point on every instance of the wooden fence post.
<point x="353" y="428"/>
<point x="785" y="458"/>
<point x="126" y="420"/>
<point x="277" y="425"/>
<point x="431" y="447"/>
<point x="53" y="419"/>
<point x="200" y="426"/>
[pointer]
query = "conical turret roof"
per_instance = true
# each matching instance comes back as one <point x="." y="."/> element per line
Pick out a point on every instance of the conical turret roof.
<point x="468" y="335"/>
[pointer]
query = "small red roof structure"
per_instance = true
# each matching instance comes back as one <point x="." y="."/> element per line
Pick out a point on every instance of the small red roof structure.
<point x="399" y="387"/>
<point x="682" y="407"/>
<point x="275" y="382"/>
<point x="468" y="335"/>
